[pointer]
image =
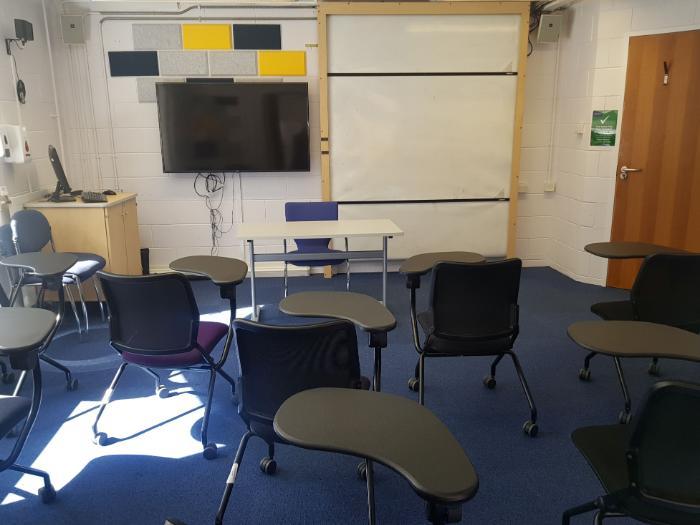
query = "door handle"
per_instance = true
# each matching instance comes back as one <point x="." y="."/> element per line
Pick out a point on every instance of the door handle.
<point x="625" y="171"/>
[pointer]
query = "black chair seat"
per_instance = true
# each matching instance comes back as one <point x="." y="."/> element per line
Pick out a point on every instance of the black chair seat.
<point x="439" y="346"/>
<point x="12" y="410"/>
<point x="614" y="310"/>
<point x="320" y="262"/>
<point x="604" y="447"/>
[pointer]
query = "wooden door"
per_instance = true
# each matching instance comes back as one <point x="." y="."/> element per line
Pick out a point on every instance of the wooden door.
<point x="661" y="137"/>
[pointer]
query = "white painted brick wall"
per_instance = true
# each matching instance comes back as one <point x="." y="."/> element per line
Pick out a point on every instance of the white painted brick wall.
<point x="592" y="76"/>
<point x="28" y="181"/>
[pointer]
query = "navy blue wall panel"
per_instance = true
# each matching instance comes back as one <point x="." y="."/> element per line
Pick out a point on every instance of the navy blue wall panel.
<point x="249" y="36"/>
<point x="133" y="63"/>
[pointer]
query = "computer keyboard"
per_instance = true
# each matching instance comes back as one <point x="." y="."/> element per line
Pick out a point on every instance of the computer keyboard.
<point x="93" y="196"/>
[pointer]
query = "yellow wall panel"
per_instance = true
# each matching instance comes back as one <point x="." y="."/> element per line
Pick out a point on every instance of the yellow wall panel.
<point x="280" y="63"/>
<point x="206" y="36"/>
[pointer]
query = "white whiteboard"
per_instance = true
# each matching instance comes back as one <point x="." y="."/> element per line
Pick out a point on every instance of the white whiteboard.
<point x="480" y="227"/>
<point x="422" y="43"/>
<point x="407" y="137"/>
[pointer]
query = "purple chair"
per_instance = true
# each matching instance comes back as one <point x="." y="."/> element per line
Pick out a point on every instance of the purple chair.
<point x="154" y="323"/>
<point x="313" y="211"/>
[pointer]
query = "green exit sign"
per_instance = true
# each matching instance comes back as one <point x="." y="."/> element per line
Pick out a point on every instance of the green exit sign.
<point x="604" y="128"/>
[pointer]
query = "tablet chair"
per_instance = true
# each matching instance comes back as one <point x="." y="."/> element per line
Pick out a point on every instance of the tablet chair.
<point x="313" y="211"/>
<point x="24" y="335"/>
<point x="7" y="248"/>
<point x="650" y="470"/>
<point x="6" y="376"/>
<point x="154" y="323"/>
<point x="31" y="232"/>
<point x="473" y="312"/>
<point x="666" y="291"/>
<point x="277" y="362"/>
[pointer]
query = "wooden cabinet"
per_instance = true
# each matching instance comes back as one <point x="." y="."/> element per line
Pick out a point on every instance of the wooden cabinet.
<point x="109" y="229"/>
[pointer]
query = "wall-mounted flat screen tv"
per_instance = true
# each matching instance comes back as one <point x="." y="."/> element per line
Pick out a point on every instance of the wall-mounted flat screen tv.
<point x="224" y="127"/>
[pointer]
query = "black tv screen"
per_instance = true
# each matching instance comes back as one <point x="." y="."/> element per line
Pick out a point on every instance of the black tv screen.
<point x="218" y="127"/>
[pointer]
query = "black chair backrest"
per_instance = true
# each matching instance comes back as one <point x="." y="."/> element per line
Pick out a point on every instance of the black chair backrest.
<point x="475" y="301"/>
<point x="151" y="314"/>
<point x="664" y="455"/>
<point x="31" y="231"/>
<point x="667" y="291"/>
<point x="7" y="249"/>
<point x="277" y="362"/>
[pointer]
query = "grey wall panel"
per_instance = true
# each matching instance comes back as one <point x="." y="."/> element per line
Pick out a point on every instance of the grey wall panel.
<point x="146" y="87"/>
<point x="183" y="63"/>
<point x="157" y="36"/>
<point x="233" y="62"/>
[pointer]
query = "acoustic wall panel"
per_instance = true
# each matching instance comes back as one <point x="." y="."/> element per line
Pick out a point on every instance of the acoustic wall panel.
<point x="157" y="36"/>
<point x="183" y="63"/>
<point x="206" y="36"/>
<point x="420" y="43"/>
<point x="133" y="63"/>
<point x="446" y="226"/>
<point x="256" y="36"/>
<point x="233" y="62"/>
<point x="282" y="63"/>
<point x="146" y="87"/>
<point x="421" y="137"/>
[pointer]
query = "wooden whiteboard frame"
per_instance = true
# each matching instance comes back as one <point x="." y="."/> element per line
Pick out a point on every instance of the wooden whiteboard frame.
<point x="464" y="7"/>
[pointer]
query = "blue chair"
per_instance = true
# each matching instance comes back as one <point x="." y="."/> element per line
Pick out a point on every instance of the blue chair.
<point x="313" y="211"/>
<point x="31" y="232"/>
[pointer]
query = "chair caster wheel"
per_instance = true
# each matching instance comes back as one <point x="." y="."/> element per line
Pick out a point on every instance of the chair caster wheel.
<point x="490" y="382"/>
<point x="8" y="378"/>
<point x="162" y="392"/>
<point x="530" y="428"/>
<point x="72" y="385"/>
<point x="654" y="369"/>
<point x="268" y="466"/>
<point x="47" y="494"/>
<point x="414" y="384"/>
<point x="436" y="513"/>
<point x="100" y="439"/>
<point x="624" y="418"/>
<point x="210" y="451"/>
<point x="584" y="374"/>
<point x="362" y="471"/>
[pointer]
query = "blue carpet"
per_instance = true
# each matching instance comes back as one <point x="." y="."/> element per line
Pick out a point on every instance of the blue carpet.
<point x="155" y="469"/>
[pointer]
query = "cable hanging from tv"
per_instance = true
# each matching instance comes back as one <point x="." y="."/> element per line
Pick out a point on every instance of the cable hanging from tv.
<point x="211" y="186"/>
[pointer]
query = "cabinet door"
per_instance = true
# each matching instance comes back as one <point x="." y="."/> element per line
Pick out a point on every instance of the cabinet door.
<point x="116" y="239"/>
<point x="131" y="238"/>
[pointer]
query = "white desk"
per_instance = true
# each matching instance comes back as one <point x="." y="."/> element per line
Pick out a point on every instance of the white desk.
<point x="251" y="232"/>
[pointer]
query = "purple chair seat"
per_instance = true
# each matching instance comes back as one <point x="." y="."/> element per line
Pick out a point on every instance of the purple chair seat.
<point x="208" y="337"/>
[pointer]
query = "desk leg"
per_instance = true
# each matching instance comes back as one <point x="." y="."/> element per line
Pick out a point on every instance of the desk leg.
<point x="377" y="380"/>
<point x="370" y="493"/>
<point x="626" y="414"/>
<point x="253" y="303"/>
<point x="384" y="268"/>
